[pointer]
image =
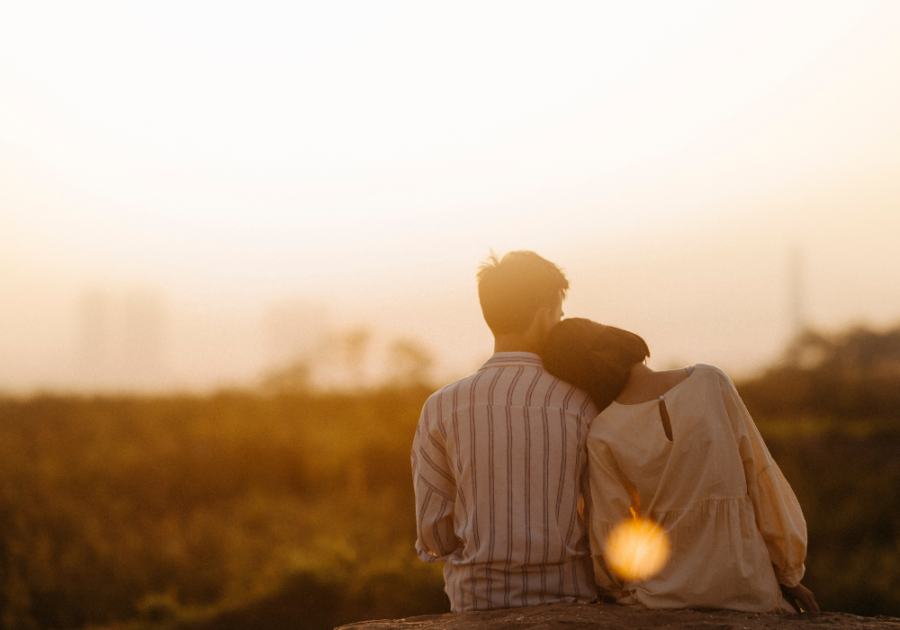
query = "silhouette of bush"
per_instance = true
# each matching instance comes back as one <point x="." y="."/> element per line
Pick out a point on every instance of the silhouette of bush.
<point x="854" y="374"/>
<point x="254" y="509"/>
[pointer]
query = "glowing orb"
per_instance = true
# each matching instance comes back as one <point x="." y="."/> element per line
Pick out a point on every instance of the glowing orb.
<point x="637" y="549"/>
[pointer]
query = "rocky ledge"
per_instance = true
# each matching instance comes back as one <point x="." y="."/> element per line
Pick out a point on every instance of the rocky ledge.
<point x="613" y="617"/>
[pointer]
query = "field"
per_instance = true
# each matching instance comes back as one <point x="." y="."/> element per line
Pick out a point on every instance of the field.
<point x="244" y="509"/>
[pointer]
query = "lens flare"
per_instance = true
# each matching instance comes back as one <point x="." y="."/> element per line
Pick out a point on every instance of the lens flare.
<point x="637" y="549"/>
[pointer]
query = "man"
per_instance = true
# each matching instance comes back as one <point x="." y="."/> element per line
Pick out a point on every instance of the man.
<point x="498" y="459"/>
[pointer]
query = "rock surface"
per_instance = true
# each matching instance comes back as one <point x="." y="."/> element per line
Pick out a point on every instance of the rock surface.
<point x="613" y="617"/>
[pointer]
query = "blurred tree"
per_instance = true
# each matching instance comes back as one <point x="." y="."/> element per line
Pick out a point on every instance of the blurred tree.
<point x="294" y="378"/>
<point x="410" y="363"/>
<point x="859" y="351"/>
<point x="354" y="349"/>
<point x="851" y="374"/>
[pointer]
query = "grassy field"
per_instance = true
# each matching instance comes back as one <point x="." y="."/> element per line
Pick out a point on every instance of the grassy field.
<point x="247" y="510"/>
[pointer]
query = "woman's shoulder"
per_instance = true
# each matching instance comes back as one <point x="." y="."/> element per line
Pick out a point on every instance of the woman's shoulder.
<point x="713" y="374"/>
<point x="712" y="369"/>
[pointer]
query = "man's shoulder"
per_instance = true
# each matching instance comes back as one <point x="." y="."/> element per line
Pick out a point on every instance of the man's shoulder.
<point x="536" y="388"/>
<point x="465" y="384"/>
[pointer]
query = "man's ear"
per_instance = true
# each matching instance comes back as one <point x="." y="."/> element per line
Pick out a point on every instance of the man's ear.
<point x="545" y="316"/>
<point x="538" y="321"/>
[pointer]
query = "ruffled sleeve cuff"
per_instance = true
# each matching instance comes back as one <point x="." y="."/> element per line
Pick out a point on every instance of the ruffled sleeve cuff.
<point x="792" y="578"/>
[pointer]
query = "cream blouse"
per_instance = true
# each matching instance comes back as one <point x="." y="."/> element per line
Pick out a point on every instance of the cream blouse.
<point x="735" y="526"/>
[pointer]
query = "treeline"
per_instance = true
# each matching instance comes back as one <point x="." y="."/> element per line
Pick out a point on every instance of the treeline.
<point x="294" y="508"/>
<point x="175" y="510"/>
<point x="852" y="374"/>
<point x="830" y="412"/>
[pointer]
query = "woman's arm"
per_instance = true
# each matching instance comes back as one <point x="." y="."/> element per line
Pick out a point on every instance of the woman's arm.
<point x="613" y="497"/>
<point x="779" y="517"/>
<point x="800" y="597"/>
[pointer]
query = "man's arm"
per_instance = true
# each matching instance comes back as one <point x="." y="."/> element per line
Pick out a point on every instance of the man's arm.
<point x="435" y="489"/>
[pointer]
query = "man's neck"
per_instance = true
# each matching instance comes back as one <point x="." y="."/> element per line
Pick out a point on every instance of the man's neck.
<point x="532" y="338"/>
<point x="516" y="343"/>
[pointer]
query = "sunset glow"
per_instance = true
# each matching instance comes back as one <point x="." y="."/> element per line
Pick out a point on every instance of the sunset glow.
<point x="216" y="162"/>
<point x="241" y="245"/>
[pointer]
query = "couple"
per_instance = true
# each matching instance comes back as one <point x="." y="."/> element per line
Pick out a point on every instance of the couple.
<point x="522" y="469"/>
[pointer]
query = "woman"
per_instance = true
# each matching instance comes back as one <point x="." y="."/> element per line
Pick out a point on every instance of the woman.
<point x="680" y="448"/>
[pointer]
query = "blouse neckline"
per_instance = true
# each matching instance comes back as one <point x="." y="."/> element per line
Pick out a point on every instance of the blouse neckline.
<point x="691" y="370"/>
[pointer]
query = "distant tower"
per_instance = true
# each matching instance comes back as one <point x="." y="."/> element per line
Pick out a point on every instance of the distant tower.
<point x="796" y="295"/>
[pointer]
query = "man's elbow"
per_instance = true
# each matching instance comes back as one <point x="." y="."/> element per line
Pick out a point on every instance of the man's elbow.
<point x="429" y="556"/>
<point x="434" y="553"/>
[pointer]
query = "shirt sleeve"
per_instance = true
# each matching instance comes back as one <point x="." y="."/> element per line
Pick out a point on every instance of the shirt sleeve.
<point x="435" y="489"/>
<point x="778" y="513"/>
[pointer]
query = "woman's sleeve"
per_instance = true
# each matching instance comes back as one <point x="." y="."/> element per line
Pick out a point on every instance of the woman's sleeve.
<point x="612" y="496"/>
<point x="778" y="514"/>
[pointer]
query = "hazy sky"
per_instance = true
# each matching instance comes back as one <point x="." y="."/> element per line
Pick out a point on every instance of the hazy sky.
<point x="205" y="165"/>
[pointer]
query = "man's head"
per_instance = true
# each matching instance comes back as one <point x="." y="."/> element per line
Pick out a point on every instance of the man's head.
<point x="519" y="292"/>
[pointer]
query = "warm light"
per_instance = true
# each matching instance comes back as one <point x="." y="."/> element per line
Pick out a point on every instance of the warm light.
<point x="637" y="549"/>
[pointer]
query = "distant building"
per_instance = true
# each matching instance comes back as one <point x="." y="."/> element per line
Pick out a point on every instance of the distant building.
<point x="122" y="340"/>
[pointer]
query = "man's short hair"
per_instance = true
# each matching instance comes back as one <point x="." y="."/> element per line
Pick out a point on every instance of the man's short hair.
<point x="512" y="290"/>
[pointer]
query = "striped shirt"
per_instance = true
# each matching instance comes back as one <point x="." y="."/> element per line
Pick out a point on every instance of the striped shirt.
<point x="499" y="467"/>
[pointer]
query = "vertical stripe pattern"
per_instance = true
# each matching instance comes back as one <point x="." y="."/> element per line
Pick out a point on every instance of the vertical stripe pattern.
<point x="498" y="468"/>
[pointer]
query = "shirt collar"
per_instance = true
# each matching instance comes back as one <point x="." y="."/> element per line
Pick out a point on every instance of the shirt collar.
<point x="500" y="359"/>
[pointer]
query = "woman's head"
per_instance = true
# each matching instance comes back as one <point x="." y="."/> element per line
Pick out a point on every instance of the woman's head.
<point x="594" y="357"/>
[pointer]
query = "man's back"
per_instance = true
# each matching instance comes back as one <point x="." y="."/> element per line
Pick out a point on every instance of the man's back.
<point x="498" y="466"/>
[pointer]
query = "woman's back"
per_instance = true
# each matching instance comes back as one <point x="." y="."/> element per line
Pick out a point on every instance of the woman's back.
<point x="685" y="462"/>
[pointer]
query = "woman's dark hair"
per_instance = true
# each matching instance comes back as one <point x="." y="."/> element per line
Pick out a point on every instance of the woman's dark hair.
<point x="594" y="357"/>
